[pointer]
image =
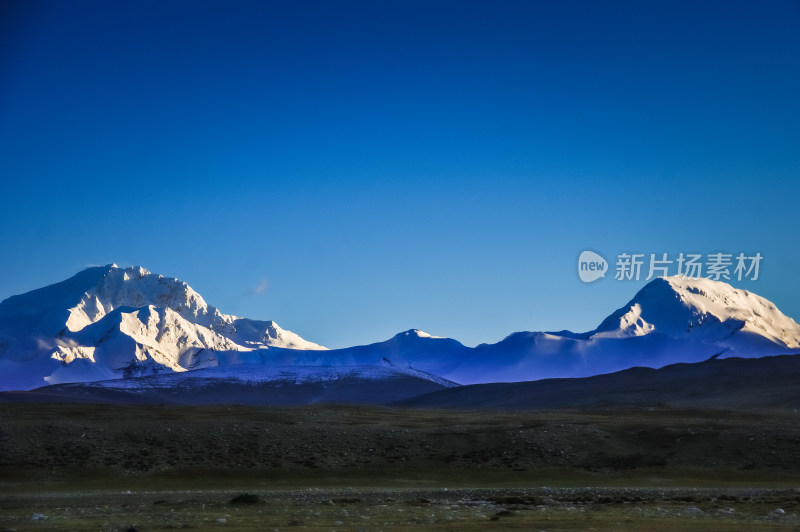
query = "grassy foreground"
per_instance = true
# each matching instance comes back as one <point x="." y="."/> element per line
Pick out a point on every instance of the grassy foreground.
<point x="101" y="467"/>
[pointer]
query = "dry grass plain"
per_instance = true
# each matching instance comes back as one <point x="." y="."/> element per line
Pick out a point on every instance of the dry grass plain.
<point x="102" y="467"/>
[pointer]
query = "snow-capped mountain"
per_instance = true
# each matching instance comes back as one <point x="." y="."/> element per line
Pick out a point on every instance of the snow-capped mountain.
<point x="109" y="322"/>
<point x="684" y="307"/>
<point x="671" y="319"/>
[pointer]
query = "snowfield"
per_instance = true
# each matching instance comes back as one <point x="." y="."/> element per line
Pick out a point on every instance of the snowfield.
<point x="259" y="373"/>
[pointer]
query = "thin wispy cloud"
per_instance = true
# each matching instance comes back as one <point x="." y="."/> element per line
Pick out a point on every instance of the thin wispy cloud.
<point x="261" y="289"/>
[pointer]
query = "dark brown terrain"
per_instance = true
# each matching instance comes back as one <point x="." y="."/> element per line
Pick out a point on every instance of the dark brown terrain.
<point x="112" y="467"/>
<point x="731" y="383"/>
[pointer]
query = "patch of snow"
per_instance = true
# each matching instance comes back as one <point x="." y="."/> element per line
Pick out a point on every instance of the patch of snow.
<point x="259" y="373"/>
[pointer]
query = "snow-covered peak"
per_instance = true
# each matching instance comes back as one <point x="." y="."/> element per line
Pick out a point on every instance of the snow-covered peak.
<point x="685" y="306"/>
<point x="136" y="287"/>
<point x="415" y="333"/>
<point x="257" y="334"/>
<point x="87" y="297"/>
<point x="108" y="321"/>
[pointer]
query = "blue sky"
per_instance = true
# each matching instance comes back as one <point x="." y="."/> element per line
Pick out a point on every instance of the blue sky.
<point x="354" y="169"/>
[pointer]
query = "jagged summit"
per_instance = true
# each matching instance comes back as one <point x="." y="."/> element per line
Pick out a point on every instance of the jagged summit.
<point x="109" y="321"/>
<point x="136" y="287"/>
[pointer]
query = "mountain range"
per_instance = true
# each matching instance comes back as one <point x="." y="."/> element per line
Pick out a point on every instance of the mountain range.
<point x="109" y="323"/>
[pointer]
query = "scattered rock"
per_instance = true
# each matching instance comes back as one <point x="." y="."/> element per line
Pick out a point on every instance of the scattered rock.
<point x="346" y="500"/>
<point x="245" y="498"/>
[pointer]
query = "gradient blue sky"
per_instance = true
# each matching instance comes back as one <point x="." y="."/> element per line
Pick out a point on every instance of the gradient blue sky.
<point x="393" y="165"/>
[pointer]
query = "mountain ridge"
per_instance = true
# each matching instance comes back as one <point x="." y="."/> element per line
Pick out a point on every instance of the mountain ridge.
<point x="108" y="322"/>
<point x="733" y="383"/>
